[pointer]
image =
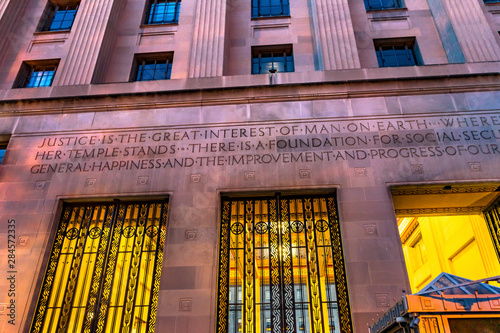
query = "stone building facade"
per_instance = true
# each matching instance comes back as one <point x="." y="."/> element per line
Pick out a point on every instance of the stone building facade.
<point x="263" y="145"/>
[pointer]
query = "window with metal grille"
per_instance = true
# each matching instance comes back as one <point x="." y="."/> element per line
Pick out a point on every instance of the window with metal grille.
<point x="281" y="266"/>
<point x="382" y="4"/>
<point x="265" y="8"/>
<point x="59" y="16"/>
<point x="103" y="272"/>
<point x="36" y="74"/>
<point x="163" y="11"/>
<point x="153" y="67"/>
<point x="397" y="53"/>
<point x="272" y="59"/>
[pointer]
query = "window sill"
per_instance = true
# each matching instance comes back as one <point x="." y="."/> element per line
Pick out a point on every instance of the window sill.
<point x="388" y="14"/>
<point x="48" y="32"/>
<point x="258" y="18"/>
<point x="386" y="9"/>
<point x="150" y="26"/>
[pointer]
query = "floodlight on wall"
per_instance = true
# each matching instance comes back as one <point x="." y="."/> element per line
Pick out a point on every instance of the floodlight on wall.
<point x="273" y="77"/>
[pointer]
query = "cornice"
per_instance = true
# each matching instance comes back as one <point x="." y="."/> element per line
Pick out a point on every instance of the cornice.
<point x="287" y="92"/>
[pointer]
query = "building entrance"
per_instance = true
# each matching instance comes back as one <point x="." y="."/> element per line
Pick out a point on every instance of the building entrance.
<point x="452" y="230"/>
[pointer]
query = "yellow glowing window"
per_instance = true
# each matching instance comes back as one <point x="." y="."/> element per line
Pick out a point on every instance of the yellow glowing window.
<point x="281" y="266"/>
<point x="104" y="269"/>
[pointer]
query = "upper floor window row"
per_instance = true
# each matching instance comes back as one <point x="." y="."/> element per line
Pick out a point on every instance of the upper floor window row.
<point x="267" y="8"/>
<point x="491" y="1"/>
<point x="3" y="148"/>
<point x="383" y="4"/>
<point x="59" y="16"/>
<point x="36" y="74"/>
<point x="152" y="67"/>
<point x="163" y="11"/>
<point x="272" y="59"/>
<point x="397" y="52"/>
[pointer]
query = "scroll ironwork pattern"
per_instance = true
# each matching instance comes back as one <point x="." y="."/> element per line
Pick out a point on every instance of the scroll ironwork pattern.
<point x="281" y="266"/>
<point x="89" y="269"/>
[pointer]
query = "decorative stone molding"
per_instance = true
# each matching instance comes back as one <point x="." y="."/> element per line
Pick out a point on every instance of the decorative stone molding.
<point x="438" y="211"/>
<point x="443" y="189"/>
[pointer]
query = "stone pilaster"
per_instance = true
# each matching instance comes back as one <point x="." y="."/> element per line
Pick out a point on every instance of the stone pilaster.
<point x="10" y="13"/>
<point x="88" y="33"/>
<point x="3" y="6"/>
<point x="207" y="50"/>
<point x="473" y="31"/>
<point x="336" y="35"/>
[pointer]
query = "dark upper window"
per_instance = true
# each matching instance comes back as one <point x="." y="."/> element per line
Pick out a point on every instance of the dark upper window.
<point x="397" y="53"/>
<point x="58" y="16"/>
<point x="382" y="4"/>
<point x="153" y="67"/>
<point x="263" y="8"/>
<point x="3" y="147"/>
<point x="163" y="11"/>
<point x="272" y="59"/>
<point x="491" y="1"/>
<point x="36" y="74"/>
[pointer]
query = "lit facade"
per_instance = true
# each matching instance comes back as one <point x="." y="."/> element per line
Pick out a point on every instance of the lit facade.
<point x="239" y="165"/>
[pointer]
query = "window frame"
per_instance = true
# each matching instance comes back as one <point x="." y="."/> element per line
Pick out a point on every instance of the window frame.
<point x="142" y="58"/>
<point x="285" y="50"/>
<point x="3" y="147"/>
<point x="399" y="4"/>
<point x="114" y="220"/>
<point x="245" y="220"/>
<point x="255" y="9"/>
<point x="148" y="15"/>
<point x="50" y="13"/>
<point x="410" y="45"/>
<point x="28" y="68"/>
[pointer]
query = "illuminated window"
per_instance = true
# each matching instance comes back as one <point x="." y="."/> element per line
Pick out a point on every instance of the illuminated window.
<point x="36" y="74"/>
<point x="104" y="269"/>
<point x="382" y="4"/>
<point x="263" y="8"/>
<point x="59" y="15"/>
<point x="153" y="67"/>
<point x="272" y="59"/>
<point x="163" y="11"/>
<point x="397" y="53"/>
<point x="306" y="291"/>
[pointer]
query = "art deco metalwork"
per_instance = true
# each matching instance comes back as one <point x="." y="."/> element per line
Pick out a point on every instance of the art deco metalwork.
<point x="492" y="216"/>
<point x="281" y="266"/>
<point x="104" y="270"/>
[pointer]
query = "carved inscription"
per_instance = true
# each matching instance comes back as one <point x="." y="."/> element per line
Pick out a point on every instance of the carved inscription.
<point x="318" y="142"/>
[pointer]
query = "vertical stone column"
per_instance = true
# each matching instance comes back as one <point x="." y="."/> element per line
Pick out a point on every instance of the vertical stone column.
<point x="473" y="31"/>
<point x="207" y="50"/>
<point x="14" y="34"/>
<point x="337" y="35"/>
<point x="87" y="35"/>
<point x="3" y="6"/>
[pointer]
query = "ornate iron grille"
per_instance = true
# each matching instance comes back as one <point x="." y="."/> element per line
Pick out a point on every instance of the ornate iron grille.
<point x="492" y="216"/>
<point x="103" y="273"/>
<point x="281" y="267"/>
